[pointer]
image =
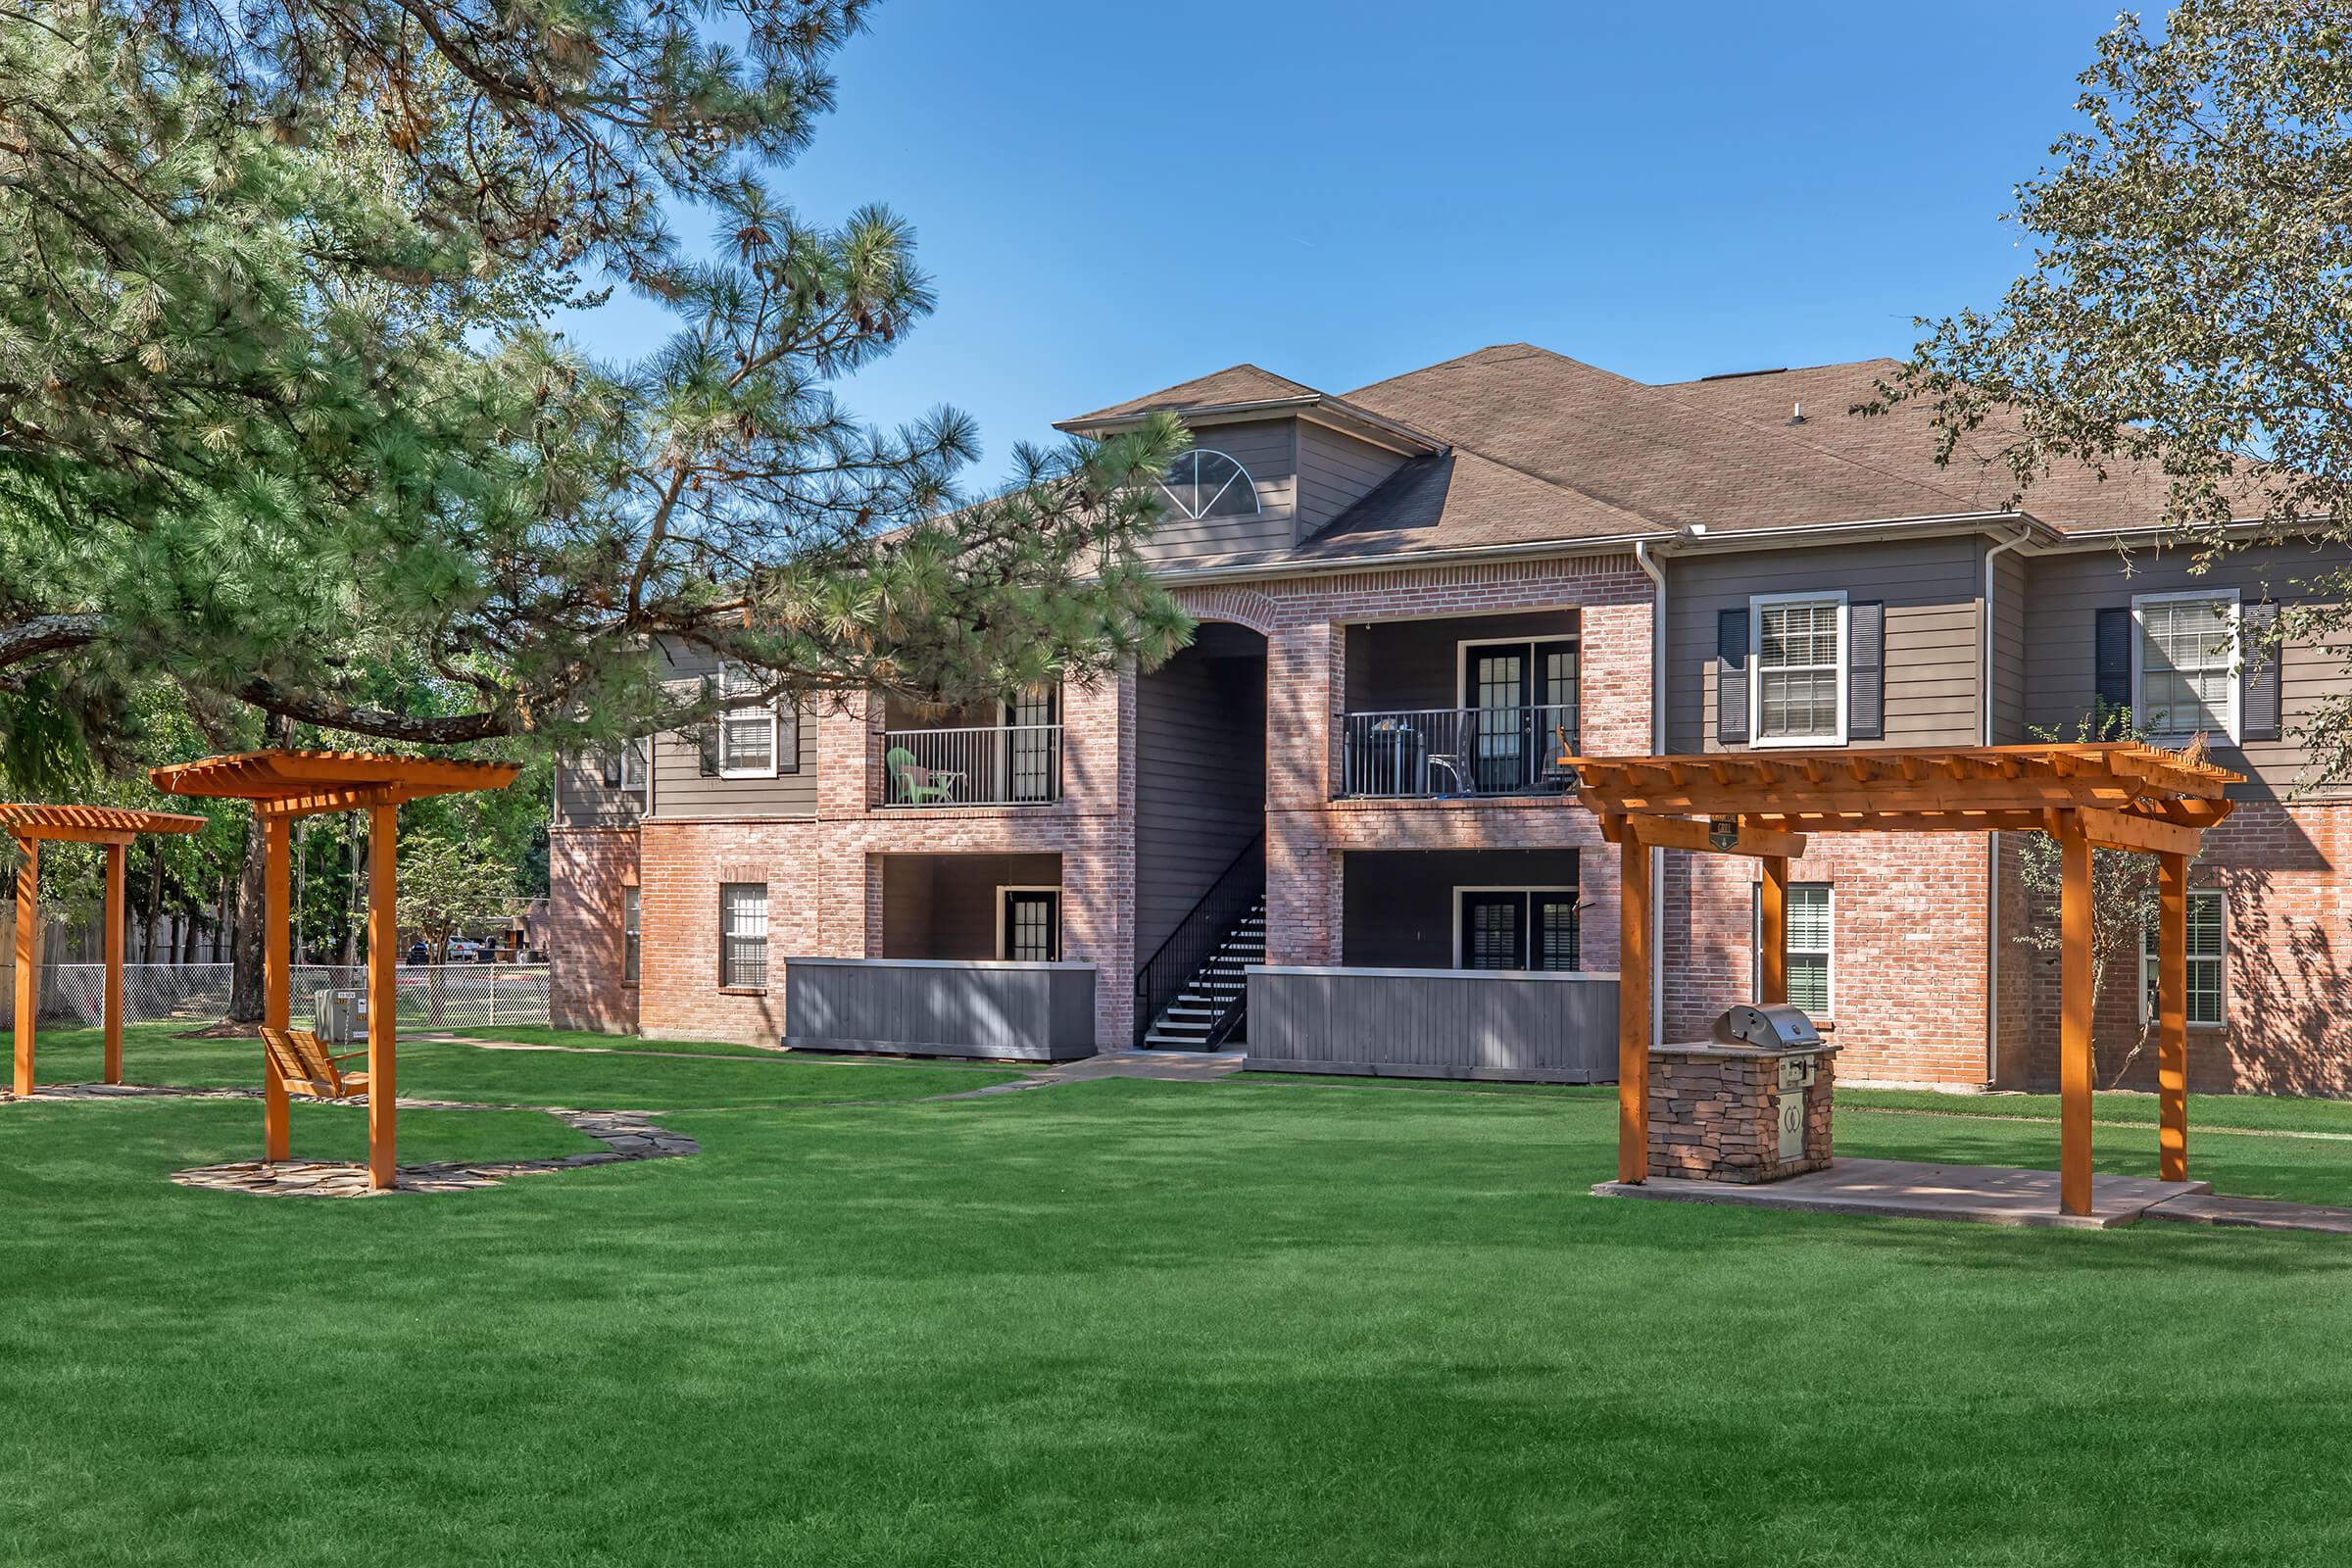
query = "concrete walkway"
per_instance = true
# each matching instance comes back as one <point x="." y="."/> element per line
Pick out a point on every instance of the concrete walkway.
<point x="1902" y="1188"/>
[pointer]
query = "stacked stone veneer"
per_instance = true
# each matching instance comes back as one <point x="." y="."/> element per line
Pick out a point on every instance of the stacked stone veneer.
<point x="1714" y="1113"/>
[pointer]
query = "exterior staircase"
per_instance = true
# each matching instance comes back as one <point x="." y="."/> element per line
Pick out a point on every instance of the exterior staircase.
<point x="1209" y="1007"/>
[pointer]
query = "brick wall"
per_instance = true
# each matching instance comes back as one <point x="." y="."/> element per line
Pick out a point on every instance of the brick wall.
<point x="1908" y="948"/>
<point x="587" y="868"/>
<point x="2286" y="976"/>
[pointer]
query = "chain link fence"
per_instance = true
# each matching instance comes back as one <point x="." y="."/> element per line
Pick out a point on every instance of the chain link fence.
<point x="443" y="995"/>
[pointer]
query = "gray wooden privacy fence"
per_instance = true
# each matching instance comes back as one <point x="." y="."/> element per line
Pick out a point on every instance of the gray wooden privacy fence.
<point x="941" y="1007"/>
<point x="1435" y="1023"/>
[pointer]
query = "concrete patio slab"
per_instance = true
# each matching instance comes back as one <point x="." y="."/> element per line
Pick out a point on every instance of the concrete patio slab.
<point x="2254" y="1213"/>
<point x="1901" y="1188"/>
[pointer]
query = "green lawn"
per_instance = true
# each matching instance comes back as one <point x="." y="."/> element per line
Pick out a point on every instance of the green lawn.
<point x="1251" y="1322"/>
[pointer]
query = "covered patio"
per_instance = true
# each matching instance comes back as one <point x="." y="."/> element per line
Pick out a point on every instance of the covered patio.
<point x="2118" y="795"/>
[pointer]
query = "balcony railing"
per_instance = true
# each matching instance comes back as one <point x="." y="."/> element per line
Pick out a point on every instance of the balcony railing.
<point x="994" y="764"/>
<point x="1425" y="751"/>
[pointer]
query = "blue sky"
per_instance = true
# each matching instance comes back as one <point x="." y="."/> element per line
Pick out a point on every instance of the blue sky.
<point x="1114" y="198"/>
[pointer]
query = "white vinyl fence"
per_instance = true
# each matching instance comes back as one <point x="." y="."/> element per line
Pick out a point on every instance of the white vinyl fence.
<point x="448" y="995"/>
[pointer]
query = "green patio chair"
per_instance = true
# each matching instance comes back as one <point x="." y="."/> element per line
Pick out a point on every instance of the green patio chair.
<point x="917" y="785"/>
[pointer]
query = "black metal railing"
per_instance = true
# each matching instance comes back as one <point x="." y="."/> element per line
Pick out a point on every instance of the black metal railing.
<point x="989" y="764"/>
<point x="1458" y="751"/>
<point x="1163" y="976"/>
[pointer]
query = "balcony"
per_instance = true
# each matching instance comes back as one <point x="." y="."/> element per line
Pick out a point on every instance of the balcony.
<point x="1440" y="753"/>
<point x="985" y="764"/>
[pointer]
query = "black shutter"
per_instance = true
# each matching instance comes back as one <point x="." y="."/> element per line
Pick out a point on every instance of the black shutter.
<point x="706" y="746"/>
<point x="1866" y="672"/>
<point x="2112" y="718"/>
<point x="2262" y="657"/>
<point x="1731" y="677"/>
<point x="612" y="760"/>
<point x="788" y="737"/>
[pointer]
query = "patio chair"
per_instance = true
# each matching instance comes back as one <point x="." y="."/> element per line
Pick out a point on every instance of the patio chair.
<point x="917" y="785"/>
<point x="307" y="1067"/>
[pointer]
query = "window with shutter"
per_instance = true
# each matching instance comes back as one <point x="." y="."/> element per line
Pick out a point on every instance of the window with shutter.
<point x="1799" y="649"/>
<point x="747" y="732"/>
<point x="2184" y="660"/>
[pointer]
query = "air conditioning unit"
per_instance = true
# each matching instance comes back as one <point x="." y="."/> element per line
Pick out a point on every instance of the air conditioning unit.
<point x="339" y="1017"/>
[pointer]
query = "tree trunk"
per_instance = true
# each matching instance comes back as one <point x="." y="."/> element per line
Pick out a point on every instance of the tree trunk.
<point x="193" y="913"/>
<point x="154" y="900"/>
<point x="359" y="880"/>
<point x="245" y="958"/>
<point x="219" y="918"/>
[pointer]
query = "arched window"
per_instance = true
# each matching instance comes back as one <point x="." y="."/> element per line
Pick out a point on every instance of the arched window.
<point x="1210" y="484"/>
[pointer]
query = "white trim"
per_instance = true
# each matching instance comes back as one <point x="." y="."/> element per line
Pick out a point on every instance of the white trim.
<point x="1756" y="605"/>
<point x="2147" y="1010"/>
<point x="1003" y="887"/>
<point x="1241" y="475"/>
<point x="1755" y="939"/>
<point x="2138" y="635"/>
<point x="775" y="737"/>
<point x="1460" y="888"/>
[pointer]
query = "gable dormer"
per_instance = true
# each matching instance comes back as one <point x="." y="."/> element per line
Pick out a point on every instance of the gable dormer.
<point x="1273" y="462"/>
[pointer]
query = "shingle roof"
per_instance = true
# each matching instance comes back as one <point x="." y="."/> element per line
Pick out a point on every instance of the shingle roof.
<point x="1545" y="448"/>
<point x="1236" y="383"/>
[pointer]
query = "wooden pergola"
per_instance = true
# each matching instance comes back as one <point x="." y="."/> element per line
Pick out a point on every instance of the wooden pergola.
<point x="114" y="827"/>
<point x="285" y="786"/>
<point x="2120" y="795"/>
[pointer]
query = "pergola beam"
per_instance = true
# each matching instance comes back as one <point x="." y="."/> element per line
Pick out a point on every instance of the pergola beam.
<point x="1683" y="833"/>
<point x="2119" y="830"/>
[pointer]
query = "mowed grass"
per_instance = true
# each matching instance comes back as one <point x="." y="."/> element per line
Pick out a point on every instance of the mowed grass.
<point x="1249" y="1322"/>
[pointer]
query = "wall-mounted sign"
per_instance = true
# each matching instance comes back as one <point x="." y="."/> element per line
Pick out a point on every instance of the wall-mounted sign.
<point x="1723" y="832"/>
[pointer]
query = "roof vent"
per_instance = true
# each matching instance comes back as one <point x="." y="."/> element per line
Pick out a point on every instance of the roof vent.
<point x="1796" y="413"/>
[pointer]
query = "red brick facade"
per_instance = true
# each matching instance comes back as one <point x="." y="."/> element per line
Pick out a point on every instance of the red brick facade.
<point x="587" y="869"/>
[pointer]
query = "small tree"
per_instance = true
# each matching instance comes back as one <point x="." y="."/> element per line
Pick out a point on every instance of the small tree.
<point x="2124" y="888"/>
<point x="446" y="887"/>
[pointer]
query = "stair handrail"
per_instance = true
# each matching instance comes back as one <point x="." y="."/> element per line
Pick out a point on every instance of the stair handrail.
<point x="1161" y="978"/>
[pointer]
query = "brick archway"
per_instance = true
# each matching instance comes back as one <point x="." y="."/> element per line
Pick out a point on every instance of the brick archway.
<point x="1239" y="606"/>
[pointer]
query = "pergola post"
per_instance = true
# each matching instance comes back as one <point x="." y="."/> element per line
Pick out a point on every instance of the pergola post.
<point x="1633" y="1007"/>
<point x="2172" y="1018"/>
<point x="383" y="997"/>
<point x="115" y="854"/>
<point x="278" y="976"/>
<point x="2075" y="1015"/>
<point x="29" y="955"/>
<point x="1772" y="937"/>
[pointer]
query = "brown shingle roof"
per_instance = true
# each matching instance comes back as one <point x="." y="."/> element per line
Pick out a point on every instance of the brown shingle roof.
<point x="1236" y="383"/>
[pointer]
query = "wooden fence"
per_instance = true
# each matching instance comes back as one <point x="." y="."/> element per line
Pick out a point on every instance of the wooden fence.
<point x="1435" y="1023"/>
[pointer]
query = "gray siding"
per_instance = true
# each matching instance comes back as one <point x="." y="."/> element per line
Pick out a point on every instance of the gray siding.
<point x="1417" y="664"/>
<point x="1930" y="589"/>
<point x="2064" y="593"/>
<point x="1200" y="774"/>
<point x="1335" y="472"/>
<point x="584" y="799"/>
<point x="1269" y="449"/>
<point x="1397" y="906"/>
<point x="1549" y="1028"/>
<point x="681" y="789"/>
<point x="944" y="905"/>
<point x="1024" y="1012"/>
<point x="2008" y="648"/>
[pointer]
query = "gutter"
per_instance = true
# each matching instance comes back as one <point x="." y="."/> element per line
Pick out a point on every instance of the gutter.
<point x="1992" y="841"/>
<point x="1657" y="747"/>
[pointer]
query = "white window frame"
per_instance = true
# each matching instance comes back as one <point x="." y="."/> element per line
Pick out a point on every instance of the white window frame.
<point x="1757" y="604"/>
<point x="1460" y="888"/>
<point x="1828" y="954"/>
<point x="727" y="980"/>
<point x="2148" y="962"/>
<point x="632" y="932"/>
<point x="633" y="760"/>
<point x="776" y="738"/>
<point x="2236" y="661"/>
<point x="1003" y="887"/>
<point x="1242" y="477"/>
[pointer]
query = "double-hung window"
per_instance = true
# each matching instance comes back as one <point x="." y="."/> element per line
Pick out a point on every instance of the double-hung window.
<point x="630" y="945"/>
<point x="2184" y="665"/>
<point x="2207" y="914"/>
<point x="747" y="730"/>
<point x="743" y="935"/>
<point x="1799" y="668"/>
<point x="624" y="765"/>
<point x="1809" y="944"/>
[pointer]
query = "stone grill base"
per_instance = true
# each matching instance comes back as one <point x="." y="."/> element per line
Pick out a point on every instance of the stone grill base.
<point x="1714" y="1114"/>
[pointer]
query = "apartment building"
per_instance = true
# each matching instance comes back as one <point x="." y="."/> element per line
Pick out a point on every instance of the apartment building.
<point x="1414" y="599"/>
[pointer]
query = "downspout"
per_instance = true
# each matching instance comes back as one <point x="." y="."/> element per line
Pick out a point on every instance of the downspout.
<point x="1657" y="747"/>
<point x="1992" y="841"/>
